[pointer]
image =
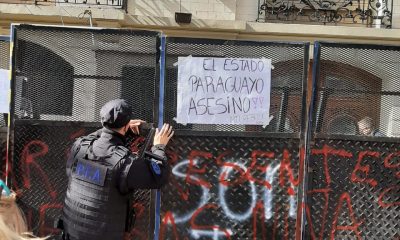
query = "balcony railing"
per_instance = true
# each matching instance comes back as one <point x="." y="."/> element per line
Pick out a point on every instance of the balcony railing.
<point x="372" y="13"/>
<point x="102" y="3"/>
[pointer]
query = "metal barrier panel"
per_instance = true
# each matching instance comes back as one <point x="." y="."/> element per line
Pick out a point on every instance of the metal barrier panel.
<point x="61" y="78"/>
<point x="354" y="83"/>
<point x="3" y="151"/>
<point x="4" y="64"/>
<point x="235" y="181"/>
<point x="354" y="190"/>
<point x="353" y="180"/>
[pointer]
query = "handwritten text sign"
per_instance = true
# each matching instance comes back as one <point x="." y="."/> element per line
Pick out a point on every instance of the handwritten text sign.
<point x="223" y="90"/>
<point x="4" y="90"/>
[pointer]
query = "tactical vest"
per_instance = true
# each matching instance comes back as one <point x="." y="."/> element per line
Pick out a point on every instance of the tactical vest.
<point x="94" y="208"/>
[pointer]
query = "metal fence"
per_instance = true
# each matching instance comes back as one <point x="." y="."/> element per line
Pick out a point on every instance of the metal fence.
<point x="315" y="176"/>
<point x="119" y="4"/>
<point x="353" y="189"/>
<point x="61" y="78"/>
<point x="4" y="64"/>
<point x="369" y="13"/>
<point x="209" y="194"/>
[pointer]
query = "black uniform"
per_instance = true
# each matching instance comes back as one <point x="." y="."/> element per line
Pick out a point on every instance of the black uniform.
<point x="101" y="173"/>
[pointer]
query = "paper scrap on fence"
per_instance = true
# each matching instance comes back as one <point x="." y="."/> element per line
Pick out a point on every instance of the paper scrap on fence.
<point x="223" y="91"/>
<point x="4" y="91"/>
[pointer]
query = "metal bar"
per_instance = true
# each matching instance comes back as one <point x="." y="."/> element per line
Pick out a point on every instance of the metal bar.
<point x="357" y="138"/>
<point x="246" y="134"/>
<point x="309" y="134"/>
<point x="302" y="188"/>
<point x="160" y="123"/>
<point x="323" y="98"/>
<point x="34" y="122"/>
<point x="283" y="110"/>
<point x="198" y="41"/>
<point x="99" y="30"/>
<point x="360" y="46"/>
<point x="10" y="120"/>
<point x="332" y="90"/>
<point x="5" y="38"/>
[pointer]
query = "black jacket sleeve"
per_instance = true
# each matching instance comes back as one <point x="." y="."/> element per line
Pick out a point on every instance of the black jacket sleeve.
<point x="148" y="173"/>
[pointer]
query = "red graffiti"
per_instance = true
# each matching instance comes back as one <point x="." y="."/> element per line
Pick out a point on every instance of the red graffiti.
<point x="285" y="167"/>
<point x="172" y="157"/>
<point x="135" y="233"/>
<point x="304" y="206"/>
<point x="363" y="169"/>
<point x="259" y="208"/>
<point x="29" y="216"/>
<point x="168" y="218"/>
<point x="299" y="218"/>
<point x="274" y="228"/>
<point x="253" y="166"/>
<point x="76" y="134"/>
<point x="223" y="179"/>
<point x="326" y="151"/>
<point x="43" y="229"/>
<point x="134" y="146"/>
<point x="183" y="193"/>
<point x="28" y="161"/>
<point x="325" y="192"/>
<point x="286" y="224"/>
<point x="388" y="164"/>
<point x="386" y="191"/>
<point x="73" y="136"/>
<point x="192" y="169"/>
<point x="354" y="227"/>
<point x="139" y="209"/>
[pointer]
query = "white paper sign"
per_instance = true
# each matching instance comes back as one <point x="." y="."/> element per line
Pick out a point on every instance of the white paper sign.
<point x="223" y="91"/>
<point x="4" y="91"/>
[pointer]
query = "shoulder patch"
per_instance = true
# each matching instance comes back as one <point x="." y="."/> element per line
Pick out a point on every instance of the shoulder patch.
<point x="156" y="169"/>
<point x="91" y="172"/>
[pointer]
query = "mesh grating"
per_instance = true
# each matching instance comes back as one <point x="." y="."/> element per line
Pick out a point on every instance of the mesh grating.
<point x="358" y="82"/>
<point x="289" y="61"/>
<point x="196" y="203"/>
<point x="4" y="64"/>
<point x="207" y="193"/>
<point x="38" y="174"/>
<point x="357" y="186"/>
<point x="207" y="196"/>
<point x="4" y="54"/>
<point x="62" y="77"/>
<point x="68" y="75"/>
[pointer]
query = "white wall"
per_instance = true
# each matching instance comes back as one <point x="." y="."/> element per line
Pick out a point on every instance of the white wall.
<point x="396" y="14"/>
<point x="200" y="9"/>
<point x="243" y="10"/>
<point x="247" y="10"/>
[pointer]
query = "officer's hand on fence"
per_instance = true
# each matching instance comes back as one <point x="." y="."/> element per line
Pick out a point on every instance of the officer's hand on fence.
<point x="134" y="125"/>
<point x="164" y="135"/>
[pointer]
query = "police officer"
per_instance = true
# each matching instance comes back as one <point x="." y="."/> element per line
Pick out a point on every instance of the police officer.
<point x="102" y="171"/>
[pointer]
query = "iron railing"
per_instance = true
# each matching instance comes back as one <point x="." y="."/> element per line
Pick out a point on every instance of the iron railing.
<point x="372" y="13"/>
<point x="102" y="3"/>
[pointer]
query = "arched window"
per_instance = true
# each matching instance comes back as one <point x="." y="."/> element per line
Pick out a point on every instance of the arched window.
<point x="342" y="124"/>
